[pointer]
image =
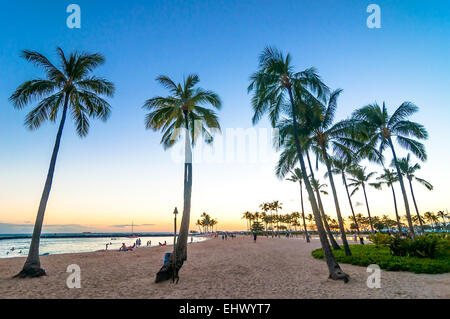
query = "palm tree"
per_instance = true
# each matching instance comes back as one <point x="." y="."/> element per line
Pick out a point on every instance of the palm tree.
<point x="68" y="88"/>
<point x="309" y="218"/>
<point x="297" y="177"/>
<point x="206" y="221"/>
<point x="199" y="224"/>
<point x="360" y="179"/>
<point x="432" y="218"/>
<point x="264" y="217"/>
<point x="246" y="216"/>
<point x="318" y="187"/>
<point x="409" y="171"/>
<point x="379" y="128"/>
<point x="362" y="221"/>
<point x="276" y="205"/>
<point x="213" y="223"/>
<point x="275" y="86"/>
<point x="256" y="216"/>
<point x="265" y="207"/>
<point x="287" y="160"/>
<point x="326" y="134"/>
<point x="341" y="166"/>
<point x="442" y="215"/>
<point x="389" y="178"/>
<point x="185" y="108"/>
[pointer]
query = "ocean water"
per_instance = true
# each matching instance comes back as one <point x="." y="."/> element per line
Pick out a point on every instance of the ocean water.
<point x="10" y="248"/>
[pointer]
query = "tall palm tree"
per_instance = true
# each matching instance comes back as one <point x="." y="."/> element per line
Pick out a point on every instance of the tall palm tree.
<point x="387" y="222"/>
<point x="374" y="122"/>
<point x="326" y="134"/>
<point x="256" y="216"/>
<point x="69" y="87"/>
<point x="443" y="216"/>
<point x="275" y="86"/>
<point x="360" y="179"/>
<point x="296" y="176"/>
<point x="341" y="166"/>
<point x="263" y="215"/>
<point x="409" y="171"/>
<point x="389" y="178"/>
<point x="309" y="218"/>
<point x="265" y="207"/>
<point x="318" y="187"/>
<point x="199" y="224"/>
<point x="288" y="158"/>
<point x="206" y="218"/>
<point x="432" y="218"/>
<point x="246" y="216"/>
<point x="213" y="223"/>
<point x="295" y="223"/>
<point x="185" y="108"/>
<point x="276" y="205"/>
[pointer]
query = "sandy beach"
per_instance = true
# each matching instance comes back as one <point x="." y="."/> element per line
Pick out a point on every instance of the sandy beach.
<point x="233" y="268"/>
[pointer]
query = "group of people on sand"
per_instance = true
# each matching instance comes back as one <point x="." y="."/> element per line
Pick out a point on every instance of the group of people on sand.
<point x="138" y="244"/>
<point x="225" y="236"/>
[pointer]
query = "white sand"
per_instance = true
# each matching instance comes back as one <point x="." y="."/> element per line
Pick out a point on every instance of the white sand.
<point x="235" y="268"/>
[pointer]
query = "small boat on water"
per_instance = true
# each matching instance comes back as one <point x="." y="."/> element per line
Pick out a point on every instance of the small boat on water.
<point x="132" y="232"/>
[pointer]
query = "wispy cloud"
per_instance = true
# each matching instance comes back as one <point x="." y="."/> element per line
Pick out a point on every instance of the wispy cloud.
<point x="26" y="228"/>
<point x="129" y="225"/>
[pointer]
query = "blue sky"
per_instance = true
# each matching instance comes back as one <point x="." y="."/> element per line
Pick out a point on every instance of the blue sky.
<point x="120" y="172"/>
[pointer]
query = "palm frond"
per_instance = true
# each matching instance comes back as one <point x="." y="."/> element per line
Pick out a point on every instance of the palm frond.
<point x="417" y="148"/>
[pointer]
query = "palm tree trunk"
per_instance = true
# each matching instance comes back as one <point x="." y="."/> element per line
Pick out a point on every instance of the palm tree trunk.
<point x="415" y="205"/>
<point x="396" y="212"/>
<point x="368" y="209"/>
<point x="333" y="267"/>
<point x="32" y="267"/>
<point x="278" y="223"/>
<point x="303" y="211"/>
<point x="334" y="243"/>
<point x="271" y="221"/>
<point x="402" y="186"/>
<point x="172" y="267"/>
<point x="336" y="203"/>
<point x="361" y="240"/>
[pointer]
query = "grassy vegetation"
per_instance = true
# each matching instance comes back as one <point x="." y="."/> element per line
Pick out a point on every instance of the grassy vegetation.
<point x="364" y="255"/>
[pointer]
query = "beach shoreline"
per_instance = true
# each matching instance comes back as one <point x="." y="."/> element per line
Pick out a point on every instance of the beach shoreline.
<point x="216" y="268"/>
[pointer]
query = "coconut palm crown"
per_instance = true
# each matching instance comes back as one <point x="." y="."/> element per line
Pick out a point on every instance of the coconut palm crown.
<point x="184" y="107"/>
<point x="380" y="128"/>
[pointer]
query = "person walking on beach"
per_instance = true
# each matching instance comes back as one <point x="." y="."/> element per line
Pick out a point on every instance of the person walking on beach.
<point x="254" y="237"/>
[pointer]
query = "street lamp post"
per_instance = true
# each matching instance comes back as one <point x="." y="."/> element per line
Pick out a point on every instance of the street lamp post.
<point x="175" y="213"/>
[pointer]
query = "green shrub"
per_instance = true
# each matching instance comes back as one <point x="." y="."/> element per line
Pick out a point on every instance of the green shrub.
<point x="380" y="239"/>
<point x="425" y="246"/>
<point x="364" y="255"/>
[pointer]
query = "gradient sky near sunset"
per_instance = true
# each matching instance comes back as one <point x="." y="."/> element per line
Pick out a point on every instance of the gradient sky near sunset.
<point x="120" y="173"/>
